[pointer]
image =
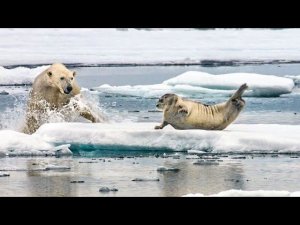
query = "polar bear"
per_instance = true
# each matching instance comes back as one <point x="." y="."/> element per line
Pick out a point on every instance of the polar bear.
<point x="52" y="90"/>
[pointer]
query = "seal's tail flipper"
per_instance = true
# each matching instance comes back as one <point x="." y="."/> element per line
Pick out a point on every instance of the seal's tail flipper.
<point x="239" y="92"/>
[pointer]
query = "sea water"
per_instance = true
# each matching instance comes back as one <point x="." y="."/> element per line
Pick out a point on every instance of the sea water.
<point x="248" y="174"/>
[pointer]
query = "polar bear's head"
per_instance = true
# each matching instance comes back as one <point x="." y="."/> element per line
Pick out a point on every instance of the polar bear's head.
<point x="58" y="76"/>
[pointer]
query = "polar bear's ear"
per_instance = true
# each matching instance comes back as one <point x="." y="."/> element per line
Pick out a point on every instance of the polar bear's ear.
<point x="74" y="73"/>
<point x="49" y="73"/>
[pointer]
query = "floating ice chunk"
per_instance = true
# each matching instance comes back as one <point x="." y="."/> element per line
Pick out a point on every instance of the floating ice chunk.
<point x="238" y="157"/>
<point x="231" y="81"/>
<point x="192" y="157"/>
<point x="205" y="162"/>
<point x="176" y="156"/>
<point x="194" y="83"/>
<point x="194" y="195"/>
<point x="104" y="189"/>
<point x="57" y="167"/>
<point x="4" y="174"/>
<point x="163" y="169"/>
<point x="21" y="169"/>
<point x="146" y="179"/>
<point x="242" y="193"/>
<point x="4" y="93"/>
<point x="107" y="189"/>
<point x="63" y="150"/>
<point x="195" y="152"/>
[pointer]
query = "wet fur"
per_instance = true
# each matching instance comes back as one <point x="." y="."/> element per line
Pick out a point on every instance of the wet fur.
<point x="49" y="93"/>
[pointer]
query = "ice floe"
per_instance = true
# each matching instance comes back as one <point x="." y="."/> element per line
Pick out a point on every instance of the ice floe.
<point x="55" y="139"/>
<point x="107" y="189"/>
<point x="19" y="75"/>
<point x="164" y="169"/>
<point x="243" y="138"/>
<point x="242" y="193"/>
<point x="146" y="179"/>
<point x="57" y="167"/>
<point x="4" y="174"/>
<point x="195" y="83"/>
<point x="14" y="143"/>
<point x="296" y="78"/>
<point x="165" y="46"/>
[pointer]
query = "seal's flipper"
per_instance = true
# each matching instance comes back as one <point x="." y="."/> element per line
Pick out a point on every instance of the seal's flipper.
<point x="163" y="124"/>
<point x="238" y="94"/>
<point x="183" y="110"/>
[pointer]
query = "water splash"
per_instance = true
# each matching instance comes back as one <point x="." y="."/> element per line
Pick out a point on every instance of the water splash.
<point x="13" y="118"/>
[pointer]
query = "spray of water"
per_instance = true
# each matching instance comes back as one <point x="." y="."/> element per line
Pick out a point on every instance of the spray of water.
<point x="13" y="118"/>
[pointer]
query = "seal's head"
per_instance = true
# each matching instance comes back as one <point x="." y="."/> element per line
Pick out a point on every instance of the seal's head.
<point x="166" y="100"/>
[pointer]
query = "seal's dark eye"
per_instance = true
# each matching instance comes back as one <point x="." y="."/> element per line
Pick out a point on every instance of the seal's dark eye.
<point x="62" y="78"/>
<point x="72" y="78"/>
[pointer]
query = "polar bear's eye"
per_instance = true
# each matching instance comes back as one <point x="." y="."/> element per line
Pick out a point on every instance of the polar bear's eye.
<point x="72" y="78"/>
<point x="62" y="78"/>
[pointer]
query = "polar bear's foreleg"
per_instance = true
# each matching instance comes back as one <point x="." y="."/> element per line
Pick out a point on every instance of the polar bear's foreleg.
<point x="87" y="114"/>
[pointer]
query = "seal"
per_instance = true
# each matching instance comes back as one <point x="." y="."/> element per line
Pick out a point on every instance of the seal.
<point x="184" y="114"/>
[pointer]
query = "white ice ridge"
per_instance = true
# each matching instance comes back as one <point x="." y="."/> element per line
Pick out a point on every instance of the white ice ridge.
<point x="19" y="75"/>
<point x="195" y="83"/>
<point x="241" y="193"/>
<point x="237" y="138"/>
<point x="44" y="46"/>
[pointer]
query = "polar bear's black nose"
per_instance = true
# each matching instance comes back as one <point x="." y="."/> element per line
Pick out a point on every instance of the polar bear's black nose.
<point x="69" y="89"/>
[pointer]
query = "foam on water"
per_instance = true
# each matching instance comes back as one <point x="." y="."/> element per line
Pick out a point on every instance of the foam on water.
<point x="195" y="84"/>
